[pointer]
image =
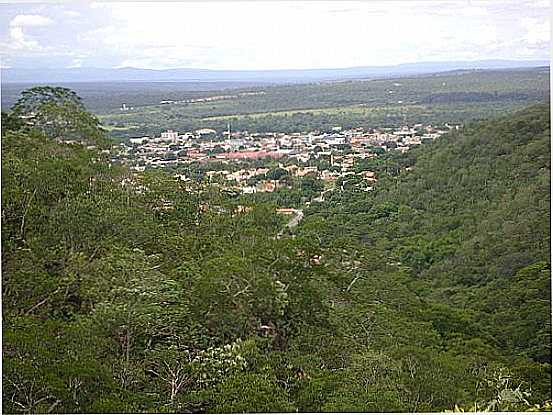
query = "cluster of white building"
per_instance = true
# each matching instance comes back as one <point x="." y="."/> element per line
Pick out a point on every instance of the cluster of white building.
<point x="206" y="144"/>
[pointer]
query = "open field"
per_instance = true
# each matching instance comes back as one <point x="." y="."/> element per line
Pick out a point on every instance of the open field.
<point x="350" y="109"/>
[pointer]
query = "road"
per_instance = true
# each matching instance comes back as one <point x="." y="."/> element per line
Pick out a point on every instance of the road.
<point x="320" y="198"/>
<point x="298" y="214"/>
<point x="292" y="223"/>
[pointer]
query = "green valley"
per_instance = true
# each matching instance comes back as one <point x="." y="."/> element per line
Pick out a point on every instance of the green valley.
<point x="134" y="291"/>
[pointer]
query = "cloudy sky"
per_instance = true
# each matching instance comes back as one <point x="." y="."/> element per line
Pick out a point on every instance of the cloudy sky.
<point x="270" y="34"/>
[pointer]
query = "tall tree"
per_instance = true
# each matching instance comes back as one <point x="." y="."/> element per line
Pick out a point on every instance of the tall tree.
<point x="59" y="113"/>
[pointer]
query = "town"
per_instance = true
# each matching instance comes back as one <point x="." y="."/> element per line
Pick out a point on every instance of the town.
<point x="324" y="156"/>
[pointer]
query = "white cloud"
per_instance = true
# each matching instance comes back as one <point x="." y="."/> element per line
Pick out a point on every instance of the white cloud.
<point x="71" y="14"/>
<point x="540" y="4"/>
<point x="30" y="20"/>
<point x="19" y="40"/>
<point x="536" y="31"/>
<point x="281" y="35"/>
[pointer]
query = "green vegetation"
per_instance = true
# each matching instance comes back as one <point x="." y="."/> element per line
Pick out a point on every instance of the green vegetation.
<point x="453" y="97"/>
<point x="58" y="113"/>
<point x="142" y="293"/>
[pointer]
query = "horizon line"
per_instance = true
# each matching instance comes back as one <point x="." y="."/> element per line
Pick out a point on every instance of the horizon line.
<point x="506" y="60"/>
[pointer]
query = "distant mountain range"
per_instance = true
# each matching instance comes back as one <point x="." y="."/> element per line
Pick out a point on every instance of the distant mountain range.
<point x="36" y="75"/>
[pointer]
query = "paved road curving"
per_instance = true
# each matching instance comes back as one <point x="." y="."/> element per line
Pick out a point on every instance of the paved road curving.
<point x="298" y="216"/>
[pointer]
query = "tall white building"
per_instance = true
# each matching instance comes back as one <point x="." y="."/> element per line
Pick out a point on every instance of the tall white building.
<point x="170" y="135"/>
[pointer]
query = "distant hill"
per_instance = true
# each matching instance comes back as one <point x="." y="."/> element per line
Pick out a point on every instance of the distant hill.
<point x="45" y="75"/>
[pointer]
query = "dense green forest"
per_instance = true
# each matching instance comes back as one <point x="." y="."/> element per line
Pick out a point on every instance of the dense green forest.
<point x="129" y="292"/>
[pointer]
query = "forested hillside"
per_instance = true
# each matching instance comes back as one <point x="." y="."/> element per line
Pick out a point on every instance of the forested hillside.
<point x="142" y="293"/>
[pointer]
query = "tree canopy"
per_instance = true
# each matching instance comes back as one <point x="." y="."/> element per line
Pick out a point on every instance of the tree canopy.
<point x="137" y="292"/>
<point x="58" y="113"/>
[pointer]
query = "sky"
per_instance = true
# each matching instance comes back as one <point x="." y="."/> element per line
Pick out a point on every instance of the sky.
<point x="269" y="34"/>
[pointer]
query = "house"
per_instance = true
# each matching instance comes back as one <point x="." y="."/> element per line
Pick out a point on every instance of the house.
<point x="301" y="172"/>
<point x="266" y="186"/>
<point x="205" y="131"/>
<point x="169" y="135"/>
<point x="237" y="155"/>
<point x="139" y="140"/>
<point x="369" y="176"/>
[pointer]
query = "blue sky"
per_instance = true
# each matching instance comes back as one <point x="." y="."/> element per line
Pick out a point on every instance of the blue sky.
<point x="270" y="35"/>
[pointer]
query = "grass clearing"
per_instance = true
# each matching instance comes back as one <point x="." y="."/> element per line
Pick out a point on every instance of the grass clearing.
<point x="349" y="109"/>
